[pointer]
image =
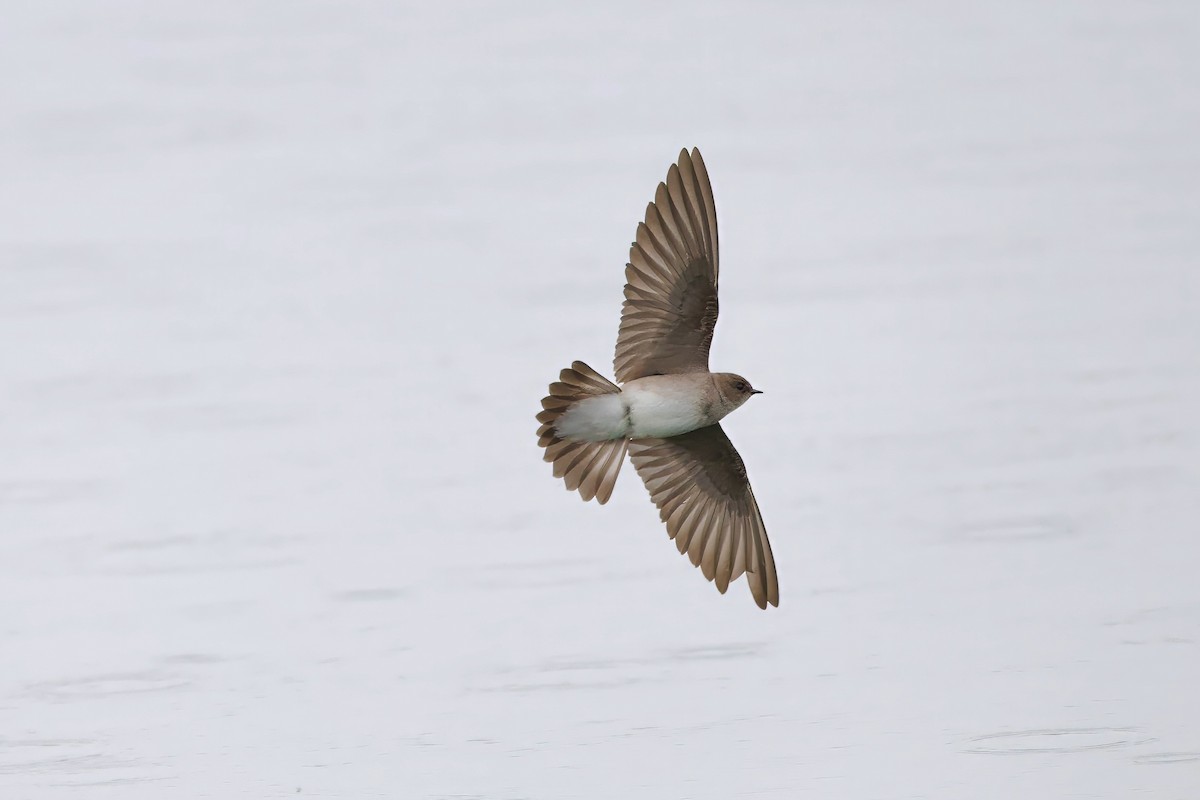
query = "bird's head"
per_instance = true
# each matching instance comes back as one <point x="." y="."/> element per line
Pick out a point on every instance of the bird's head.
<point x="734" y="389"/>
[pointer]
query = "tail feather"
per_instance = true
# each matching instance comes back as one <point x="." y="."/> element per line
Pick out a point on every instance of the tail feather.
<point x="589" y="467"/>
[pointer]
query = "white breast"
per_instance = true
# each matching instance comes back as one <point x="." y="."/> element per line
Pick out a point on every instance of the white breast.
<point x="659" y="409"/>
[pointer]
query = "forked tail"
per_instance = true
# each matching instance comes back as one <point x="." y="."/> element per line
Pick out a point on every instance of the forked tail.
<point x="591" y="467"/>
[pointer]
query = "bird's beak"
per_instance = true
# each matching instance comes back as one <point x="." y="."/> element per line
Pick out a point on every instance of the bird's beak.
<point x="756" y="391"/>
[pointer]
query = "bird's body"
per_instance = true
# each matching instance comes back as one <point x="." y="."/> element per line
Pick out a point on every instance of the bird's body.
<point x="655" y="406"/>
<point x="667" y="410"/>
<point x="668" y="405"/>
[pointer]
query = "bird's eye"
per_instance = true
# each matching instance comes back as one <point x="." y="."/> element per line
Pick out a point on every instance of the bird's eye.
<point x="740" y="386"/>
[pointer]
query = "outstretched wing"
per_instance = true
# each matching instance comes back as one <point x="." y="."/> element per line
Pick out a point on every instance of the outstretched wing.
<point x="698" y="482"/>
<point x="670" y="307"/>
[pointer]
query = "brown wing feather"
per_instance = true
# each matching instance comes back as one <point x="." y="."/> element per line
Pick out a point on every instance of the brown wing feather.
<point x="670" y="308"/>
<point x="698" y="482"/>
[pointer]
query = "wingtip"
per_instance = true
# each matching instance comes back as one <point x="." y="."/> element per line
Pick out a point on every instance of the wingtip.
<point x="763" y="602"/>
<point x="762" y="591"/>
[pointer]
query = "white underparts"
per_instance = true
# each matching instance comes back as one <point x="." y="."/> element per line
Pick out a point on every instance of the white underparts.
<point x="659" y="409"/>
<point x="658" y="406"/>
<point x="595" y="419"/>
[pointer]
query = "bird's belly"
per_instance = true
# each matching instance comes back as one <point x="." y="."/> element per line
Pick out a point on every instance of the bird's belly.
<point x="660" y="414"/>
<point x="595" y="419"/>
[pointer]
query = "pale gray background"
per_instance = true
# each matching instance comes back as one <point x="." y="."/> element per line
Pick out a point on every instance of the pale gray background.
<point x="281" y="284"/>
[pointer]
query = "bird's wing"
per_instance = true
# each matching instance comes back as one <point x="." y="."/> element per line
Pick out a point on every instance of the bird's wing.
<point x="698" y="482"/>
<point x="670" y="307"/>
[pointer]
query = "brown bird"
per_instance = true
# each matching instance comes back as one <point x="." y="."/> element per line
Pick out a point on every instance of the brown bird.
<point x="667" y="409"/>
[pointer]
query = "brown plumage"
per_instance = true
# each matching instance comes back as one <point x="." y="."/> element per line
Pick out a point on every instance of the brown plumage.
<point x="698" y="482"/>
<point x="667" y="410"/>
<point x="670" y="308"/>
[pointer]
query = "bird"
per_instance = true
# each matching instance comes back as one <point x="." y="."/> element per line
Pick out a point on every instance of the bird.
<point x="666" y="411"/>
